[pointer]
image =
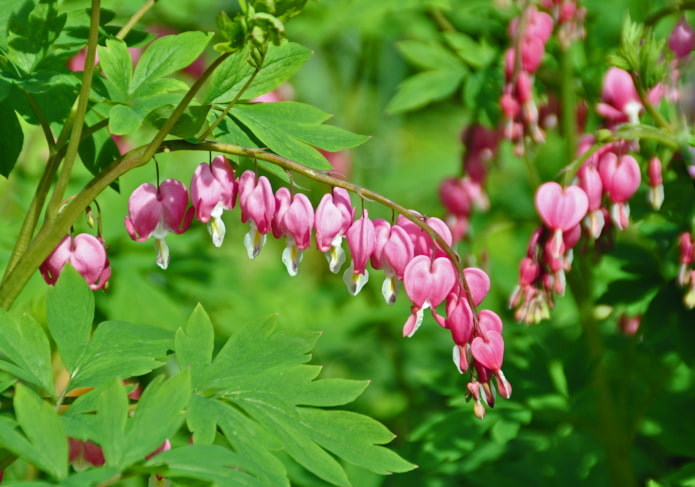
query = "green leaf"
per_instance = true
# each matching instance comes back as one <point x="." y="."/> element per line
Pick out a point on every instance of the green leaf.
<point x="167" y="55"/>
<point x="70" y="312"/>
<point x="91" y="477"/>
<point x="124" y="120"/>
<point x="121" y="349"/>
<point x="428" y="55"/>
<point x="194" y="344"/>
<point x="475" y="54"/>
<point x="424" y="88"/>
<point x="99" y="149"/>
<point x="43" y="430"/>
<point x="354" y="438"/>
<point x="291" y="129"/>
<point x="117" y="65"/>
<point x="158" y="416"/>
<point x="111" y="418"/>
<point x="31" y="32"/>
<point x="12" y="138"/>
<point x="189" y="124"/>
<point x="209" y="463"/>
<point x="26" y="347"/>
<point x="281" y="62"/>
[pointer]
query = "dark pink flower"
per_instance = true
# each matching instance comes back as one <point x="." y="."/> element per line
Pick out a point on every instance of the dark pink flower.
<point x="361" y="240"/>
<point x="213" y="190"/>
<point x="656" y="182"/>
<point x="257" y="203"/>
<point x="84" y="454"/>
<point x="85" y="253"/>
<point x="154" y="212"/>
<point x="334" y="216"/>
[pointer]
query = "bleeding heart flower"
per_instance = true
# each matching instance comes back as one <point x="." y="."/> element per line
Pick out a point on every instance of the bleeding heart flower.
<point x="488" y="350"/>
<point x="334" y="215"/>
<point x="257" y="203"/>
<point x="154" y="212"/>
<point x="213" y="190"/>
<point x="85" y="253"/>
<point x="561" y="208"/>
<point x="361" y="239"/>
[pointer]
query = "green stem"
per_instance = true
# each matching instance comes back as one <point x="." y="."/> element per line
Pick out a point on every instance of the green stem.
<point x="128" y="26"/>
<point x="612" y="432"/>
<point x="671" y="9"/>
<point x="644" y="98"/>
<point x="80" y="111"/>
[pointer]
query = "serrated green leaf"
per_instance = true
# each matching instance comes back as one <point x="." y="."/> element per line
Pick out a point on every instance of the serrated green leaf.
<point x="31" y="32"/>
<point x="194" y="344"/>
<point x="26" y="346"/>
<point x="117" y="64"/>
<point x="427" y="55"/>
<point x="44" y="431"/>
<point x="284" y="421"/>
<point x="111" y="418"/>
<point x="70" y="312"/>
<point x="167" y="55"/>
<point x="209" y="463"/>
<point x="242" y="357"/>
<point x="158" y="415"/>
<point x="121" y="349"/>
<point x="291" y="129"/>
<point x="12" y="138"/>
<point x="281" y="62"/>
<point x="424" y="88"/>
<point x="354" y="437"/>
<point x="124" y="120"/>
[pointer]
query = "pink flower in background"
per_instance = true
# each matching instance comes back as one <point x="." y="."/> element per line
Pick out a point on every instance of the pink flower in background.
<point x="621" y="178"/>
<point x="620" y="101"/>
<point x="213" y="190"/>
<point x="85" y="253"/>
<point x="154" y="212"/>
<point x="682" y="39"/>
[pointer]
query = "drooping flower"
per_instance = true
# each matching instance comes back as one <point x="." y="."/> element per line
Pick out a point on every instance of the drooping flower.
<point x="621" y="178"/>
<point x="213" y="190"/>
<point x="620" y="101"/>
<point x="333" y="217"/>
<point x="294" y="219"/>
<point x="682" y="39"/>
<point x="257" y="203"/>
<point x="154" y="212"/>
<point x="85" y="253"/>
<point x="84" y="454"/>
<point x="361" y="240"/>
<point x="427" y="283"/>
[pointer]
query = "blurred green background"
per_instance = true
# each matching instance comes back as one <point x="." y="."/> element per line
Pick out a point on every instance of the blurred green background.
<point x="547" y="433"/>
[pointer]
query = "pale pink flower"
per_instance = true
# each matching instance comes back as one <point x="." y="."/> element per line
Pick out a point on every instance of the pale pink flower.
<point x="85" y="253"/>
<point x="213" y="190"/>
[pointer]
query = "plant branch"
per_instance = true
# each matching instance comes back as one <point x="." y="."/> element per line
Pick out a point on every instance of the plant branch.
<point x="128" y="26"/>
<point x="79" y="111"/>
<point x="324" y="178"/>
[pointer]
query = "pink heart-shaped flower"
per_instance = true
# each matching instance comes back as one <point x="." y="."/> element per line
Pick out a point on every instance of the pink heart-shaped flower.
<point x="488" y="350"/>
<point x="561" y="208"/>
<point x="621" y="176"/>
<point x="428" y="282"/>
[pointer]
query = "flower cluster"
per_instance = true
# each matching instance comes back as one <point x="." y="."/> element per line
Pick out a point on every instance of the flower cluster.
<point x="406" y="253"/>
<point x="549" y="255"/>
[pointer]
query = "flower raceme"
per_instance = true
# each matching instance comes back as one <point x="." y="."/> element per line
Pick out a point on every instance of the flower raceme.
<point x="85" y="253"/>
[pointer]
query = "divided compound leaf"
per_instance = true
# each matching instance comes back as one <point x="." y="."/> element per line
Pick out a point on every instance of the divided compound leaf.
<point x="70" y="312"/>
<point x="194" y="344"/>
<point x="27" y="353"/>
